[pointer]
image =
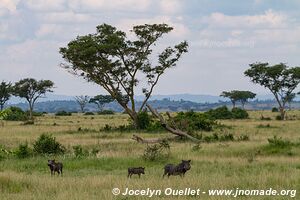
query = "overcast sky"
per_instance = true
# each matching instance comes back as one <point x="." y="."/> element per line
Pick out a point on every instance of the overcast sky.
<point x="224" y="37"/>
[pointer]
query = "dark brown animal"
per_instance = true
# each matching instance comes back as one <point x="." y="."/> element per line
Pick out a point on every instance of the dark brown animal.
<point x="179" y="169"/>
<point x="136" y="170"/>
<point x="55" y="167"/>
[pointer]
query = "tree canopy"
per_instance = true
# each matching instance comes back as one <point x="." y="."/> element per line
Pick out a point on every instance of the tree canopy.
<point x="101" y="100"/>
<point x="280" y="79"/>
<point x="31" y="90"/>
<point x="118" y="64"/>
<point x="237" y="95"/>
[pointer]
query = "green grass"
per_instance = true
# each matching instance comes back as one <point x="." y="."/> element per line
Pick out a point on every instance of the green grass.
<point x="250" y="164"/>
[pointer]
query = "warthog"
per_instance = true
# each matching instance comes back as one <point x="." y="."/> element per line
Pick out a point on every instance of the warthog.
<point x="136" y="170"/>
<point x="55" y="167"/>
<point x="179" y="169"/>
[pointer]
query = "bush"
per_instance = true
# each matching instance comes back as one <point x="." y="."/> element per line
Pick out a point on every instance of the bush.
<point x="23" y="151"/>
<point x="278" y="146"/>
<point x="224" y="113"/>
<point x="88" y="113"/>
<point x="191" y="121"/>
<point x="278" y="117"/>
<point x="80" y="152"/>
<point x="274" y="109"/>
<point x="4" y="153"/>
<point x="238" y="113"/>
<point x="157" y="151"/>
<point x="13" y="114"/>
<point x="279" y="142"/>
<point x="46" y="144"/>
<point x="220" y="113"/>
<point x="63" y="113"/>
<point x="143" y="120"/>
<point x="106" y="112"/>
<point x="35" y="114"/>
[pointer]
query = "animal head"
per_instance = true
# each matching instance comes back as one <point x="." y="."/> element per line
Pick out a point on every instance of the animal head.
<point x="51" y="162"/>
<point x="186" y="164"/>
<point x="143" y="170"/>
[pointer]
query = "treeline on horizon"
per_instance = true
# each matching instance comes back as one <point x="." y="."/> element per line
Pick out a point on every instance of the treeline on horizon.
<point x="166" y="104"/>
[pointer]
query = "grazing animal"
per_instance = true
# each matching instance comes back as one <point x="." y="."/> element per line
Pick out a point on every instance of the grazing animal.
<point x="179" y="169"/>
<point x="55" y="167"/>
<point x="136" y="170"/>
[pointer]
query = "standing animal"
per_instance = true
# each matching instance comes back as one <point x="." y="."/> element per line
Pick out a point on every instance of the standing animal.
<point x="136" y="170"/>
<point x="179" y="169"/>
<point x="55" y="167"/>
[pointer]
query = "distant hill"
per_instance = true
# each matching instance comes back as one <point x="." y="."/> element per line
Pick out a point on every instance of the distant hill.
<point x="198" y="98"/>
<point x="162" y="105"/>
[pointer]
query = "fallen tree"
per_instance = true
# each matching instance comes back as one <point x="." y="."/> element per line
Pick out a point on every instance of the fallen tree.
<point x="170" y="128"/>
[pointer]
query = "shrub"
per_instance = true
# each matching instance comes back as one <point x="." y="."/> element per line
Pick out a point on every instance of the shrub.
<point x="46" y="144"/>
<point x="278" y="117"/>
<point x="63" y="113"/>
<point x="238" y="113"/>
<point x="4" y="153"/>
<point x="143" y="120"/>
<point x="191" y="121"/>
<point x="278" y="146"/>
<point x="220" y="113"/>
<point x="88" y="113"/>
<point x="157" y="151"/>
<point x="106" y="112"/>
<point x="80" y="152"/>
<point x="274" y="109"/>
<point x="23" y="151"/>
<point x="13" y="114"/>
<point x="35" y="114"/>
<point x="279" y="142"/>
<point x="224" y="113"/>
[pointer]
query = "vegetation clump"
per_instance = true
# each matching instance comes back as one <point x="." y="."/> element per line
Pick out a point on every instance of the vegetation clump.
<point x="46" y="144"/>
<point x="157" y="151"/>
<point x="63" y="113"/>
<point x="13" y="114"/>
<point x="23" y="151"/>
<point x="224" y="113"/>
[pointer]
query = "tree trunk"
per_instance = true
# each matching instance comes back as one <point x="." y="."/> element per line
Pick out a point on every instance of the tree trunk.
<point x="174" y="131"/>
<point x="282" y="113"/>
<point x="30" y="111"/>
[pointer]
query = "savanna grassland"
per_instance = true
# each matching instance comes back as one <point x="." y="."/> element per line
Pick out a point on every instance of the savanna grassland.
<point x="247" y="164"/>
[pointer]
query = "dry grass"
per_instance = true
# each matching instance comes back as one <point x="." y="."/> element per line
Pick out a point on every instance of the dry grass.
<point x="219" y="165"/>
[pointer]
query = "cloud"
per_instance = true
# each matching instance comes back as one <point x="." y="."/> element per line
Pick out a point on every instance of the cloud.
<point x="107" y="5"/>
<point x="8" y="6"/>
<point x="46" y="5"/>
<point x="65" y="17"/>
<point x="170" y="6"/>
<point x="269" y="19"/>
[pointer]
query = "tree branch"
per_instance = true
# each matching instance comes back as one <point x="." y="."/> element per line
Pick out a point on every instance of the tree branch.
<point x="174" y="131"/>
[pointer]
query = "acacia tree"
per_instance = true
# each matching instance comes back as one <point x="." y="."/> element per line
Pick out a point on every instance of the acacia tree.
<point x="232" y="95"/>
<point x="101" y="100"/>
<point x="31" y="90"/>
<point x="5" y="93"/>
<point x="109" y="59"/>
<point x="280" y="79"/>
<point x="82" y="101"/>
<point x="244" y="96"/>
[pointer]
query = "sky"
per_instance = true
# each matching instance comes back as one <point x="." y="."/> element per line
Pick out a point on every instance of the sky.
<point x="224" y="38"/>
